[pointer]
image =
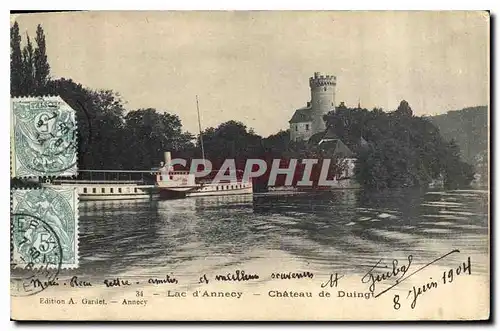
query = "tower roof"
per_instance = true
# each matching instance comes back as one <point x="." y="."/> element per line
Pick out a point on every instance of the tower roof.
<point x="301" y="115"/>
<point x="319" y="80"/>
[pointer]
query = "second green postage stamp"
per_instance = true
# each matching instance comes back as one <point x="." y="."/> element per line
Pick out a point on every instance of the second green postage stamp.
<point x="44" y="228"/>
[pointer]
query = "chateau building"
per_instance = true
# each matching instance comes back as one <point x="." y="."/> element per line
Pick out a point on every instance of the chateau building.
<point x="308" y="120"/>
<point x="307" y="124"/>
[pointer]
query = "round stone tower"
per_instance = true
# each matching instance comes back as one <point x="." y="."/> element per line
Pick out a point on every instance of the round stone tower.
<point x="322" y="99"/>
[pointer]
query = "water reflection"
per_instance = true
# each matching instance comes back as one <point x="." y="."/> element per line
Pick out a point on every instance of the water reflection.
<point x="343" y="229"/>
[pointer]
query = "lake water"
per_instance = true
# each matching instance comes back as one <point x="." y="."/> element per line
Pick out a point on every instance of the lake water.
<point x="344" y="230"/>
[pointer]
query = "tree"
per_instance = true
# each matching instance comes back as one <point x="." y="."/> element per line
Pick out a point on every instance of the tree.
<point x="16" y="62"/>
<point x="404" y="109"/>
<point x="41" y="64"/>
<point x="28" y="77"/>
<point x="150" y="133"/>
<point x="457" y="173"/>
<point x="30" y="69"/>
<point x="231" y="140"/>
<point x="277" y="143"/>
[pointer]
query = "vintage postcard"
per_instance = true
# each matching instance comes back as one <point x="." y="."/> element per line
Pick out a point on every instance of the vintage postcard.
<point x="250" y="165"/>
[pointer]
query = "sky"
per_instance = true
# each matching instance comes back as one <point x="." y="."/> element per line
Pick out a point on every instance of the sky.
<point x="254" y="66"/>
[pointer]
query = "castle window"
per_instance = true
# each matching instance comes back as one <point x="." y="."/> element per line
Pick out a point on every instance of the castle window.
<point x="296" y="127"/>
<point x="307" y="127"/>
<point x="325" y="88"/>
<point x="84" y="190"/>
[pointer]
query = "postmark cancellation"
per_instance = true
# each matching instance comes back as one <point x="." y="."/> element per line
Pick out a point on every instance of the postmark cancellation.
<point x="44" y="228"/>
<point x="43" y="137"/>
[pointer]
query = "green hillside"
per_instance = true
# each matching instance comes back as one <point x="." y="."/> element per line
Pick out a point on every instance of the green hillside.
<point x="469" y="128"/>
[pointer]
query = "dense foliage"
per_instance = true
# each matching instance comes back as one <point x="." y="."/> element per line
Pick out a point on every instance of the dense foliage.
<point x="402" y="150"/>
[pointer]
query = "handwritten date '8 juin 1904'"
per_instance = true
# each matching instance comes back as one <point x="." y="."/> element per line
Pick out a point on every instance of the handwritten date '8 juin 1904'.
<point x="399" y="273"/>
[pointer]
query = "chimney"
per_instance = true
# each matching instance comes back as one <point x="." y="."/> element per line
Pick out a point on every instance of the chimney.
<point x="168" y="158"/>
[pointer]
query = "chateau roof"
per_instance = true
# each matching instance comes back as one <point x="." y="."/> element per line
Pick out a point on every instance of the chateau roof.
<point x="363" y="142"/>
<point x="316" y="138"/>
<point x="327" y="134"/>
<point x="337" y="148"/>
<point x="330" y="141"/>
<point x="301" y="115"/>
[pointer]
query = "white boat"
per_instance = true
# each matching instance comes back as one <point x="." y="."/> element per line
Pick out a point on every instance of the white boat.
<point x="178" y="184"/>
<point x="105" y="188"/>
<point x="230" y="188"/>
<point x="112" y="191"/>
<point x="152" y="185"/>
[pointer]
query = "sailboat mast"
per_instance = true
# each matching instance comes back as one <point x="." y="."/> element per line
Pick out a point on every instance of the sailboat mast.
<point x="199" y="127"/>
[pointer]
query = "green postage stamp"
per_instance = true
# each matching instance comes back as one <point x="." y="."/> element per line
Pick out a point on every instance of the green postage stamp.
<point x="44" y="225"/>
<point x="43" y="137"/>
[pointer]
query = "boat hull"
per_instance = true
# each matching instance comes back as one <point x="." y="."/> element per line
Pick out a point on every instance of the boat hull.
<point x="198" y="193"/>
<point x="104" y="192"/>
<point x="96" y="197"/>
<point x="115" y="191"/>
<point x="234" y="188"/>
